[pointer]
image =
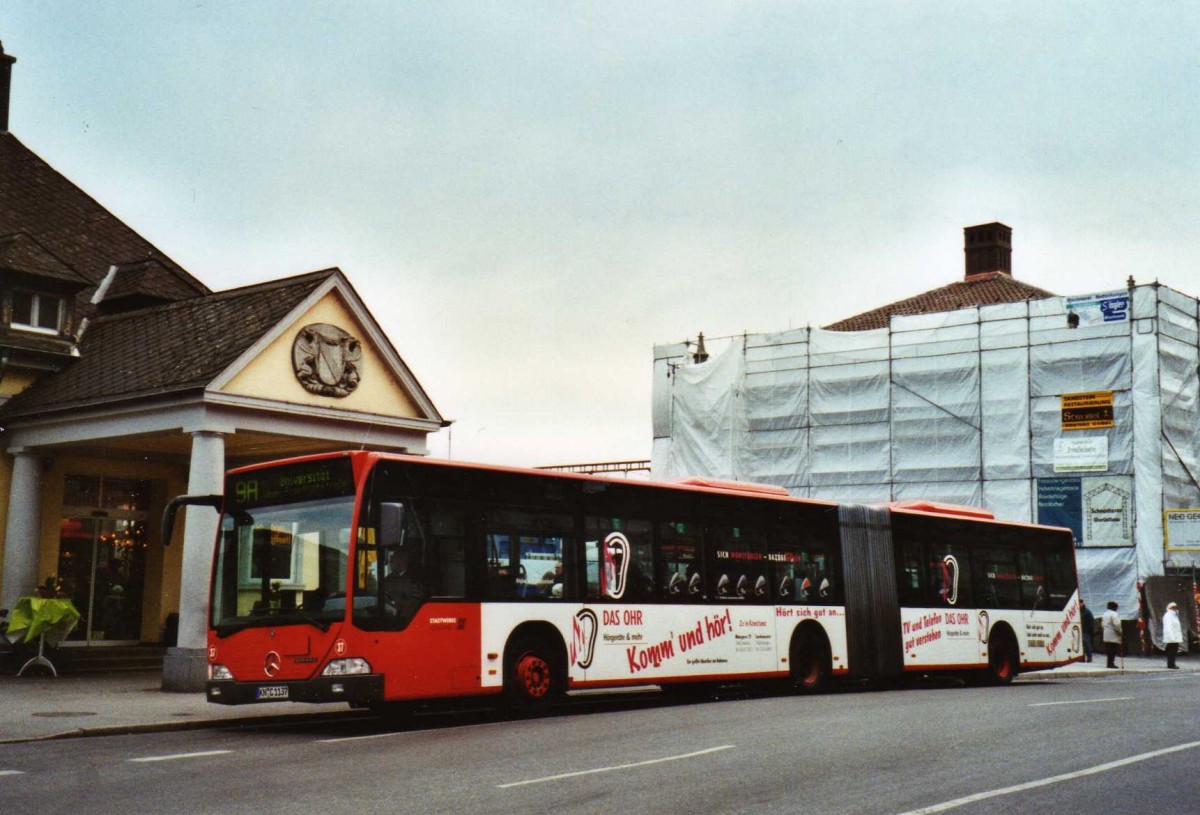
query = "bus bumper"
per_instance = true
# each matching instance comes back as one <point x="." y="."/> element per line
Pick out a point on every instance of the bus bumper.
<point x="359" y="691"/>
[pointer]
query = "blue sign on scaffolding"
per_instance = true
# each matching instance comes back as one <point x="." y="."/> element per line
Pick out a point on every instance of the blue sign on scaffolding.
<point x="1060" y="503"/>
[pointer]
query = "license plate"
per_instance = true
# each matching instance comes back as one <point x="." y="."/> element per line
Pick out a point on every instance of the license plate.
<point x="271" y="692"/>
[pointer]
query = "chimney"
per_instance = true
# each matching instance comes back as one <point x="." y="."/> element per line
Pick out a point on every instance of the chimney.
<point x="6" y="63"/>
<point x="988" y="248"/>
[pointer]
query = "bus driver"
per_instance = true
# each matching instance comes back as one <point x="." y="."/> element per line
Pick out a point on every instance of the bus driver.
<point x="399" y="586"/>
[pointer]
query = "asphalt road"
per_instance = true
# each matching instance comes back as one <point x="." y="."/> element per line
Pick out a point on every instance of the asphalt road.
<point x="1104" y="745"/>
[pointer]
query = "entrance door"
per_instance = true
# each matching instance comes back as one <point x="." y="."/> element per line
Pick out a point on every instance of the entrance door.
<point x="102" y="557"/>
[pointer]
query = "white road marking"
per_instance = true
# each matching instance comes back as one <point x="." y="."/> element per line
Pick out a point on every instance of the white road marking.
<point x="394" y="733"/>
<point x="176" y="756"/>
<point x="1085" y="701"/>
<point x="11" y="772"/>
<point x="615" y="767"/>
<point x="1056" y="779"/>
<point x="365" y="738"/>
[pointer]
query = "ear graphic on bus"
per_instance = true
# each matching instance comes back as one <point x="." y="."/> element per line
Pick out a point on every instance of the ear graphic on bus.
<point x="949" y="589"/>
<point x="805" y="588"/>
<point x="676" y="585"/>
<point x="760" y="587"/>
<point x="723" y="586"/>
<point x="743" y="586"/>
<point x="984" y="625"/>
<point x="694" y="584"/>
<point x="616" y="564"/>
<point x="583" y="637"/>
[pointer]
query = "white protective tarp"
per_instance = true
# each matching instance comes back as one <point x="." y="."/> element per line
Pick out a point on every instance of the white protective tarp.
<point x="963" y="407"/>
<point x="708" y="420"/>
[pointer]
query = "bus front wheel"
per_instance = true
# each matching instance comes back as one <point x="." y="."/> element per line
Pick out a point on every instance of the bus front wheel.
<point x="530" y="679"/>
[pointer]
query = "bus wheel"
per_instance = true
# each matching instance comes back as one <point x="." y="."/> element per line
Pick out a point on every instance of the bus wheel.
<point x="809" y="663"/>
<point x="530" y="681"/>
<point x="1003" y="661"/>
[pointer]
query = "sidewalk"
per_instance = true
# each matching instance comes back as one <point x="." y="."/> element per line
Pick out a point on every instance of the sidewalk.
<point x="43" y="707"/>
<point x="39" y="707"/>
<point x="1125" y="665"/>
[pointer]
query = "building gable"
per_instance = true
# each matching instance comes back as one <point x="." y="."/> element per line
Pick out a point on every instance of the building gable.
<point x="328" y="353"/>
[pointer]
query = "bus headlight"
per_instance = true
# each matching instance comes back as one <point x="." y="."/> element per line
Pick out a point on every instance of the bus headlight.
<point x="346" y="667"/>
<point x="219" y="672"/>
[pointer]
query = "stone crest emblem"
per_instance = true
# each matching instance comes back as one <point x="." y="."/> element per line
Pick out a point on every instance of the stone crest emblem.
<point x="326" y="360"/>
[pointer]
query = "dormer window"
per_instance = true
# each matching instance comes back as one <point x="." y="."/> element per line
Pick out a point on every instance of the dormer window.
<point x="37" y="311"/>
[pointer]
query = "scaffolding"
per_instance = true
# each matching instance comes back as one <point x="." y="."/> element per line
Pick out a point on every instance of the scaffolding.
<point x="974" y="407"/>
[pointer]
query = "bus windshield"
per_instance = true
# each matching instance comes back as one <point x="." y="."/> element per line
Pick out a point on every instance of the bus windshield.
<point x="281" y="561"/>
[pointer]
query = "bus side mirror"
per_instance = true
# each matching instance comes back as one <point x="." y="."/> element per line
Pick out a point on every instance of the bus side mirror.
<point x="391" y="525"/>
<point x="168" y="522"/>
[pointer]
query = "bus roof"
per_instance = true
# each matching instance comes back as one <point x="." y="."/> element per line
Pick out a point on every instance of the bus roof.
<point x="691" y="484"/>
<point x="936" y="508"/>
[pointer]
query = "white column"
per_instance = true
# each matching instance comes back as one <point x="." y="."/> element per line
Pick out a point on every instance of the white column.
<point x="185" y="666"/>
<point x="22" y="537"/>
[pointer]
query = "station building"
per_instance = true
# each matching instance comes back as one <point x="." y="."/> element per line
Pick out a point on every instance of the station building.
<point x="125" y="381"/>
<point x="1075" y="411"/>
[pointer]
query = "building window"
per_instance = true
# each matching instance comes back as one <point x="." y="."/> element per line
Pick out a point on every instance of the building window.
<point x="37" y="312"/>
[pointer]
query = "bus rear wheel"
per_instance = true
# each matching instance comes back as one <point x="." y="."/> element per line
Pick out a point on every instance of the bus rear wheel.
<point x="531" y="680"/>
<point x="810" y="667"/>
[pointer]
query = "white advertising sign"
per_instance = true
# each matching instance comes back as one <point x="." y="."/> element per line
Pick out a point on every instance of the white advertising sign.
<point x="1108" y="511"/>
<point x="1086" y="455"/>
<point x="1097" y="309"/>
<point x="1182" y="529"/>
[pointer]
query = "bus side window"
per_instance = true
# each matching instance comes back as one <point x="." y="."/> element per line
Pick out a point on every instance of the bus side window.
<point x="823" y="554"/>
<point x="591" y="561"/>
<point x="525" y="553"/>
<point x="446" y="553"/>
<point x="501" y="572"/>
<point x="1033" y="579"/>
<point x="1060" y="572"/>
<point x="541" y="565"/>
<point x="824" y="592"/>
<point x="910" y="581"/>
<point x="624" y="565"/>
<point x="949" y="574"/>
<point x="738" y="565"/>
<point x="996" y="580"/>
<point x="679" y="550"/>
<point x="787" y="573"/>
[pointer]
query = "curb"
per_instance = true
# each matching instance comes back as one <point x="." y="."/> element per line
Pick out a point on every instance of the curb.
<point x="181" y="725"/>
<point x="1092" y="673"/>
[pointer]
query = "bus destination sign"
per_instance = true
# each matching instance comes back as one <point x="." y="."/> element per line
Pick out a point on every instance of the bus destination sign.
<point x="1087" y="411"/>
<point x="292" y="483"/>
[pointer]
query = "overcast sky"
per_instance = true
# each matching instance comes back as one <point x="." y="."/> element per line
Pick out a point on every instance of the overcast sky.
<point x="530" y="196"/>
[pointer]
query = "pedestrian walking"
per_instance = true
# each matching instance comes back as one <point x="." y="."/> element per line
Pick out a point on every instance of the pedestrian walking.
<point x="1110" y="626"/>
<point x="1087" y="621"/>
<point x="1172" y="633"/>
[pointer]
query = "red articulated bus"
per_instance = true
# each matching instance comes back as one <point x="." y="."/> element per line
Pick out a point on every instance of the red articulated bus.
<point x="381" y="579"/>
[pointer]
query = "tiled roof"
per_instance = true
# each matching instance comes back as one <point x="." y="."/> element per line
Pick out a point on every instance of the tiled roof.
<point x="38" y="200"/>
<point x="170" y="348"/>
<point x="977" y="290"/>
<point x="21" y="252"/>
<point x="133" y="278"/>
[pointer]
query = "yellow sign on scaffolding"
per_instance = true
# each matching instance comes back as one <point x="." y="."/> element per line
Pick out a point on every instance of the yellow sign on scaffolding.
<point x="1087" y="411"/>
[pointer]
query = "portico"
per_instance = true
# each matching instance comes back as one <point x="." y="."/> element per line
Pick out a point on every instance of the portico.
<point x="249" y="398"/>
